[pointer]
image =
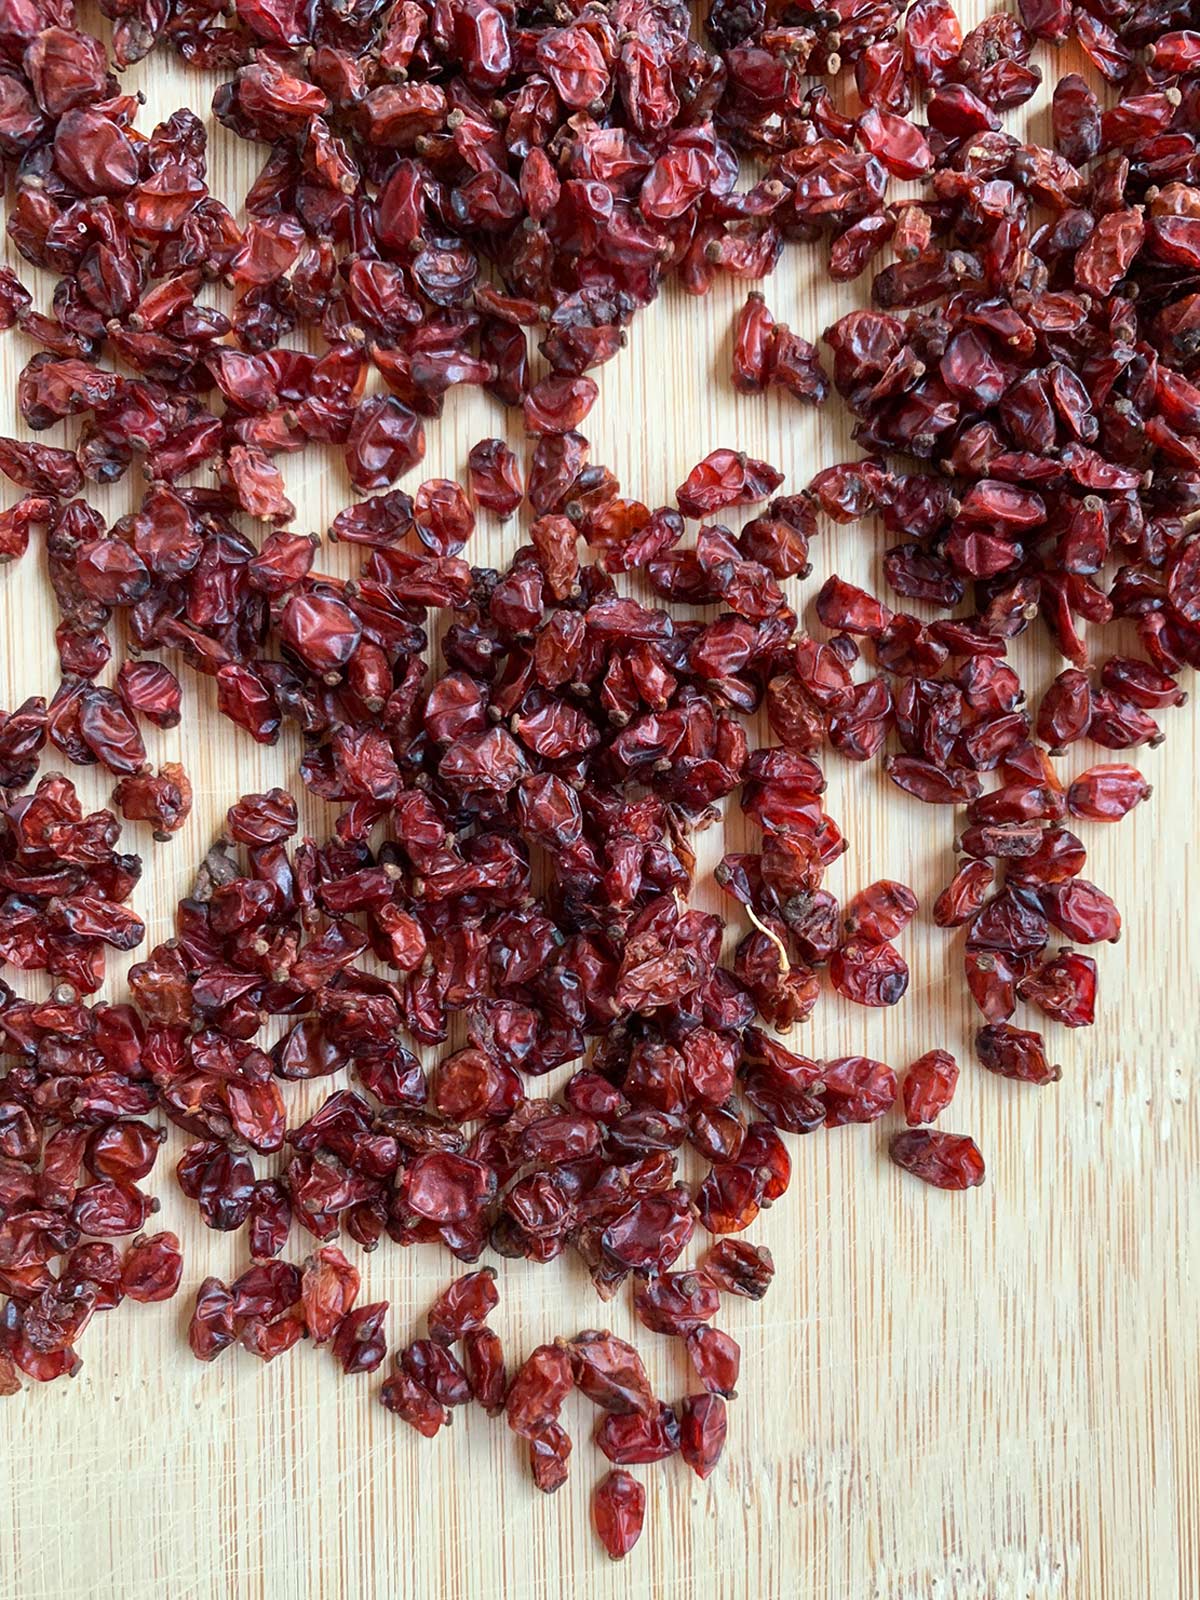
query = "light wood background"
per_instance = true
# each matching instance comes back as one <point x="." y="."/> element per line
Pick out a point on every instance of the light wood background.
<point x="990" y="1396"/>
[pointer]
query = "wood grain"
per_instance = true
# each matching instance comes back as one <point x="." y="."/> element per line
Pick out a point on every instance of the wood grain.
<point x="980" y="1397"/>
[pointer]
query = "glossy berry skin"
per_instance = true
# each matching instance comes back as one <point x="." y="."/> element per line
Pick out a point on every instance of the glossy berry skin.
<point x="717" y="1359"/>
<point x="549" y="1455"/>
<point x="929" y="1086"/>
<point x="359" y="1344"/>
<point x="328" y="1290"/>
<point x="945" y="1160"/>
<point x="437" y="1369"/>
<point x="618" y="1512"/>
<point x="463" y="1306"/>
<point x="1015" y="1053"/>
<point x="483" y="1359"/>
<point x="703" y="1422"/>
<point x="1064" y="988"/>
<point x="738" y="1267"/>
<point x="539" y="1388"/>
<point x="1081" y="911"/>
<point x="1107" y="793"/>
<point x="212" y="1328"/>
<point x="495" y="477"/>
<point x="152" y="1268"/>
<point x="637" y="1439"/>
<point x="406" y="1398"/>
<point x="869" y="972"/>
<point x="964" y="895"/>
<point x="609" y="1372"/>
<point x="881" y="911"/>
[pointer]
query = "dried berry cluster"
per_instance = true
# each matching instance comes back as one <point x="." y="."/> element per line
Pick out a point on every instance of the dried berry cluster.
<point x="637" y="1428"/>
<point x="73" y="1149"/>
<point x="513" y="841"/>
<point x="65" y="884"/>
<point x="273" y="1305"/>
<point x="463" y="932"/>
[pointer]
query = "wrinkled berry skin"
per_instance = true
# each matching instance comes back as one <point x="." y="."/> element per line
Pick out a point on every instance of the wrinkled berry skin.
<point x="945" y="1160"/>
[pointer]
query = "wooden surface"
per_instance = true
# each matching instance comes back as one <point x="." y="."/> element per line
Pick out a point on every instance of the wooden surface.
<point x="990" y="1396"/>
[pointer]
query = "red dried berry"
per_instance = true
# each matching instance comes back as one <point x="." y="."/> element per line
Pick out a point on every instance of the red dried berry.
<point x="1107" y="793"/>
<point x="619" y="1509"/>
<point x="463" y="1306"/>
<point x="946" y="1160"/>
<point x="869" y="972"/>
<point x="702" y="1429"/>
<point x="929" y="1086"/>
<point x="1015" y="1053"/>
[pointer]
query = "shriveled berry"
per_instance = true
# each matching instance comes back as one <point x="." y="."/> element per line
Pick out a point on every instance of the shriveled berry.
<point x="946" y="1160"/>
<point x="483" y="1359"/>
<point x="702" y="1427"/>
<point x="212" y="1328"/>
<point x="929" y="1086"/>
<point x="1064" y="987"/>
<point x="676" y="1302"/>
<point x="437" y="1369"/>
<point x="539" y="1388"/>
<point x="609" y="1372"/>
<point x="359" y="1343"/>
<point x="637" y="1438"/>
<point x="549" y="1453"/>
<point x="404" y="1397"/>
<point x="328" y="1291"/>
<point x="618" y="1510"/>
<point x="152" y="1268"/>
<point x="869" y="972"/>
<point x="1081" y="911"/>
<point x="717" y="1359"/>
<point x="463" y="1306"/>
<point x="880" y="911"/>
<point x="964" y="895"/>
<point x="1015" y="1053"/>
<point x="735" y="1266"/>
<point x="1107" y="793"/>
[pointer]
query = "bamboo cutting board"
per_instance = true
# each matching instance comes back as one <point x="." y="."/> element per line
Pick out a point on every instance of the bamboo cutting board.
<point x="990" y="1396"/>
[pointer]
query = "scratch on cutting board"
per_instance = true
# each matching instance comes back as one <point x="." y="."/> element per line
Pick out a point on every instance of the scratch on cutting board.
<point x="1007" y="1575"/>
